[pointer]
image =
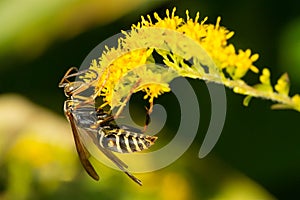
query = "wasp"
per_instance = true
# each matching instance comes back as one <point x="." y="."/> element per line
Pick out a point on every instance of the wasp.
<point x="99" y="125"/>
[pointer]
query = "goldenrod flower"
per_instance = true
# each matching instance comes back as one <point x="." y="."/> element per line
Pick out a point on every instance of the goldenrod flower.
<point x="185" y="46"/>
<point x="116" y="70"/>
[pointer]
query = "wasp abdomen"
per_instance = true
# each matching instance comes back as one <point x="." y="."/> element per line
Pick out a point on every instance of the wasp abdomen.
<point x="121" y="141"/>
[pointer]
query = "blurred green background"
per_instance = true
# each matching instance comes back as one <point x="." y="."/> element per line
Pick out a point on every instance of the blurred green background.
<point x="257" y="156"/>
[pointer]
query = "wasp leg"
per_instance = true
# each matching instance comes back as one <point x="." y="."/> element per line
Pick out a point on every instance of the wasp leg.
<point x="148" y="119"/>
<point x="126" y="100"/>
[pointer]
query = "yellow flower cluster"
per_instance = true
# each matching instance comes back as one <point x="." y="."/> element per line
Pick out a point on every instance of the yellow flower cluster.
<point x="213" y="38"/>
<point x="112" y="74"/>
<point x="153" y="90"/>
<point x="114" y="64"/>
<point x="137" y="47"/>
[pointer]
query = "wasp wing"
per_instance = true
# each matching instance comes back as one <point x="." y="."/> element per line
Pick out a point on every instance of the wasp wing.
<point x="117" y="161"/>
<point x="81" y="150"/>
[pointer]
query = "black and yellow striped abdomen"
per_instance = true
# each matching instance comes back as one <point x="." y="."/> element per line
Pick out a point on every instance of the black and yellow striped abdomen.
<point x="124" y="141"/>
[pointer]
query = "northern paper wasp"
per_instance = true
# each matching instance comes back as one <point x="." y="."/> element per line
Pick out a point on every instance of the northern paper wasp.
<point x="86" y="120"/>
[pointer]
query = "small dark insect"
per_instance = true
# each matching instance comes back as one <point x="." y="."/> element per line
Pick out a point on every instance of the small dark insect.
<point x="99" y="125"/>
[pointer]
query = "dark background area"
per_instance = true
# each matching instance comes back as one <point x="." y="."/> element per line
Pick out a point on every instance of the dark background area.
<point x="261" y="143"/>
